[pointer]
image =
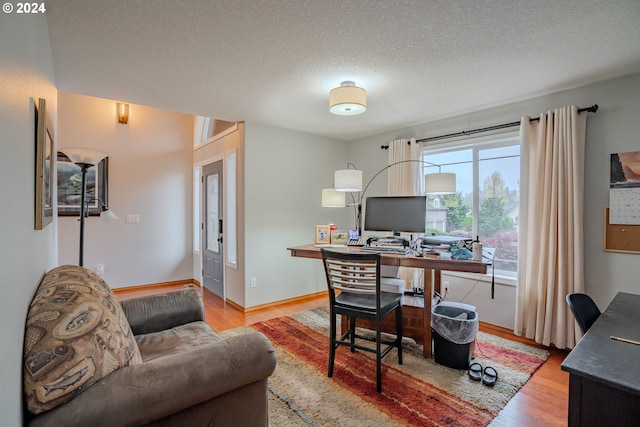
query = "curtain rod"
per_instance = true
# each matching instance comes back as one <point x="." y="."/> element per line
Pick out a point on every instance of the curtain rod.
<point x="591" y="109"/>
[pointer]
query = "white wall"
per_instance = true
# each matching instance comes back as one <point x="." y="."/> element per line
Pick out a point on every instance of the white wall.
<point x="26" y="74"/>
<point x="614" y="128"/>
<point x="150" y="175"/>
<point x="285" y="172"/>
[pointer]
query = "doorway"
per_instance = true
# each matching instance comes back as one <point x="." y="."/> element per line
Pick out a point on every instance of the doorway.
<point x="213" y="247"/>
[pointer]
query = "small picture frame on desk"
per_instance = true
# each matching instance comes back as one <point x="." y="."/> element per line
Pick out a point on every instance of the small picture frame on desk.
<point x="339" y="237"/>
<point x="323" y="234"/>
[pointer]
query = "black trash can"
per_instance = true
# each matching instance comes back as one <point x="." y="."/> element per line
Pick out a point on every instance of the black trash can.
<point x="454" y="327"/>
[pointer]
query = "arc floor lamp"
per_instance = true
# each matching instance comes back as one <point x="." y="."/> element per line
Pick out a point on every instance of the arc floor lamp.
<point x="86" y="158"/>
<point x="350" y="180"/>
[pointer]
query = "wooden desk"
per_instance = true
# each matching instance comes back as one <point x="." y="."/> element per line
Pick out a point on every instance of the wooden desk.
<point x="604" y="375"/>
<point x="432" y="272"/>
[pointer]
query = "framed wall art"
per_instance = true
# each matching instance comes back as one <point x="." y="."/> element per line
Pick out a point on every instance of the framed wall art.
<point x="70" y="186"/>
<point x="44" y="166"/>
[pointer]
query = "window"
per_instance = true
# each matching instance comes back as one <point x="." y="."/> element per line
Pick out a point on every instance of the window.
<point x="487" y="200"/>
<point x="206" y="128"/>
<point x="232" y="224"/>
<point x="203" y="130"/>
<point x="197" y="174"/>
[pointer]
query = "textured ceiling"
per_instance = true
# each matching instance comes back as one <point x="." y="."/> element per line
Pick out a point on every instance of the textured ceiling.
<point x="275" y="61"/>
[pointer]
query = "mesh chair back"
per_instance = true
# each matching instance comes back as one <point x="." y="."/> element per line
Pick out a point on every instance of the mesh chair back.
<point x="584" y="310"/>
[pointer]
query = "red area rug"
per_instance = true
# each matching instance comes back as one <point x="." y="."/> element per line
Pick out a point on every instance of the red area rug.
<point x="417" y="393"/>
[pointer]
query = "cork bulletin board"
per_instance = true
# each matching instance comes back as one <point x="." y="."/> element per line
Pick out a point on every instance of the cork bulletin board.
<point x="621" y="237"/>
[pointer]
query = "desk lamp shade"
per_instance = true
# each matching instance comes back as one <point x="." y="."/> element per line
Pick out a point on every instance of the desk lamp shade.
<point x="440" y="183"/>
<point x="349" y="180"/>
<point x="332" y="198"/>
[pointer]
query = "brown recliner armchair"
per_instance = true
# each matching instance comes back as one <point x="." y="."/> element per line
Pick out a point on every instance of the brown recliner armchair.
<point x="186" y="374"/>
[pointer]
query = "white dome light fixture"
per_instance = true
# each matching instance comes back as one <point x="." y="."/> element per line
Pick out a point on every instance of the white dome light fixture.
<point x="348" y="99"/>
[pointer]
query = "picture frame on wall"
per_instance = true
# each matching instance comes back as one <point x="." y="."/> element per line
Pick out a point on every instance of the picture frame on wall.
<point x="323" y="234"/>
<point x="44" y="166"/>
<point x="70" y="188"/>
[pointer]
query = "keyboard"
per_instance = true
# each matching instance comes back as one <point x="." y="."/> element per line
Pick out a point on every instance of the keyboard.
<point x="386" y="249"/>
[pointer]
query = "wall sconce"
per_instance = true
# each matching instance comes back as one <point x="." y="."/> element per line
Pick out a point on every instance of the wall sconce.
<point x="122" y="111"/>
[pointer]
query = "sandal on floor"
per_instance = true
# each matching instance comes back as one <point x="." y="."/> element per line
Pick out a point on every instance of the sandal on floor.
<point x="475" y="371"/>
<point x="489" y="376"/>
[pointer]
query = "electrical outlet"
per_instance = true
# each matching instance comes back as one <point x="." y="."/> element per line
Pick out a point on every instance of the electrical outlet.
<point x="254" y="282"/>
<point x="445" y="286"/>
<point x="100" y="269"/>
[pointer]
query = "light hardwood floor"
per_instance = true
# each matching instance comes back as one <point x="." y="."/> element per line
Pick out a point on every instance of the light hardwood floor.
<point x="543" y="401"/>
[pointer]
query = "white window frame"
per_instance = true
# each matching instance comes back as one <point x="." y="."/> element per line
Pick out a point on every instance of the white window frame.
<point x="197" y="227"/>
<point x="203" y="130"/>
<point x="230" y="205"/>
<point x="476" y="144"/>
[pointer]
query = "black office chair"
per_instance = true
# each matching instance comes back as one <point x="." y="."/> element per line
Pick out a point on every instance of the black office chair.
<point x="357" y="277"/>
<point x="584" y="310"/>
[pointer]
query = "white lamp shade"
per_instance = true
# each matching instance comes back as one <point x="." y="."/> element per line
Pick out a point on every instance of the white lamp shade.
<point x="332" y="198"/>
<point x="347" y="180"/>
<point x="84" y="155"/>
<point x="440" y="183"/>
<point x="108" y="216"/>
<point x="348" y="100"/>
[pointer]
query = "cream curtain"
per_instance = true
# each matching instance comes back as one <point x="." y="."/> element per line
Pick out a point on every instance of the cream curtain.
<point x="404" y="180"/>
<point x="550" y="259"/>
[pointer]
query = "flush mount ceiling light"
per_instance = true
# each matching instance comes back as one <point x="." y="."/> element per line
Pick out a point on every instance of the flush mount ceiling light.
<point x="348" y="99"/>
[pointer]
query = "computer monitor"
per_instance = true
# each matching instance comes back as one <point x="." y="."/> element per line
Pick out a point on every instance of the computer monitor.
<point x="396" y="214"/>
